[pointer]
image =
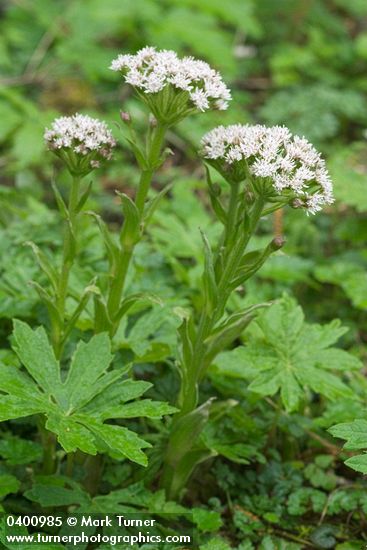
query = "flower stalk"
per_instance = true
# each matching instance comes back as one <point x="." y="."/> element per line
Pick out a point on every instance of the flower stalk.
<point x="132" y="229"/>
<point x="266" y="169"/>
<point x="153" y="158"/>
<point x="82" y="143"/>
<point x="236" y="236"/>
<point x="172" y="89"/>
<point x="68" y="257"/>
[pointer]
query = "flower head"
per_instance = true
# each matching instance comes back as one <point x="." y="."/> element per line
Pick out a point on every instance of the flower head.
<point x="81" y="141"/>
<point x="290" y="164"/>
<point x="171" y="86"/>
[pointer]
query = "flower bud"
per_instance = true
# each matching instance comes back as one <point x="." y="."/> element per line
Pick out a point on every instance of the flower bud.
<point x="277" y="243"/>
<point x="216" y="189"/>
<point x="152" y="121"/>
<point x="125" y="117"/>
<point x="249" y="196"/>
<point x="297" y="203"/>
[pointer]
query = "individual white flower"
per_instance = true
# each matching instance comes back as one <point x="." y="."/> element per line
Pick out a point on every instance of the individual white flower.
<point x="289" y="163"/>
<point x="81" y="141"/>
<point x="200" y="99"/>
<point x="263" y="168"/>
<point x="192" y="83"/>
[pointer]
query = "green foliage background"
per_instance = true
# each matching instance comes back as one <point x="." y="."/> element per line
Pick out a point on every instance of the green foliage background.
<point x="300" y="63"/>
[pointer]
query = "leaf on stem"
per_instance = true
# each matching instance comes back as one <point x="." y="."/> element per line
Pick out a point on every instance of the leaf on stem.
<point x="152" y="205"/>
<point x="185" y="450"/>
<point x="131" y="300"/>
<point x="48" y="301"/>
<point x="355" y="434"/>
<point x="60" y="202"/>
<point x="139" y="155"/>
<point x="253" y="261"/>
<point x="130" y="233"/>
<point x="214" y="193"/>
<point x="228" y="331"/>
<point x="70" y="249"/>
<point x="187" y="335"/>
<point x="110" y="243"/>
<point x="289" y="355"/>
<point x="186" y="431"/>
<point x="44" y="264"/>
<point x="90" y="290"/>
<point x="84" y="197"/>
<point x="102" y="319"/>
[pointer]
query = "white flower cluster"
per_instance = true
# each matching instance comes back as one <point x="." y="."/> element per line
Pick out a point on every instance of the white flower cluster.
<point x="151" y="70"/>
<point x="291" y="162"/>
<point x="82" y="135"/>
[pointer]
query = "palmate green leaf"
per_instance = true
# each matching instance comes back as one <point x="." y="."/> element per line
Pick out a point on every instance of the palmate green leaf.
<point x="274" y="543"/>
<point x="227" y="332"/>
<point x="207" y="520"/>
<point x="315" y="111"/>
<point x="62" y="491"/>
<point x="19" y="451"/>
<point x="355" y="434"/>
<point x="156" y="326"/>
<point x="8" y="484"/>
<point x="348" y="171"/>
<point x="57" y="491"/>
<point x="216" y="543"/>
<point x="76" y="408"/>
<point x="289" y="355"/>
<point x="350" y="276"/>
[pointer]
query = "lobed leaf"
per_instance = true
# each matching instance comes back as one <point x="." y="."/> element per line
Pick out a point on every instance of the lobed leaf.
<point x="36" y="354"/>
<point x="288" y="355"/>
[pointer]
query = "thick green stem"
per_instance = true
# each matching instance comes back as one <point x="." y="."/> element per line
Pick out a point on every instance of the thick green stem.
<point x="142" y="192"/>
<point x="93" y="467"/>
<point x="49" y="449"/>
<point x="69" y="464"/>
<point x="68" y="252"/>
<point x="70" y="239"/>
<point x="153" y="156"/>
<point x="188" y="395"/>
<point x="230" y="229"/>
<point x="117" y="286"/>
<point x="234" y="248"/>
<point x="118" y="278"/>
<point x="233" y="253"/>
